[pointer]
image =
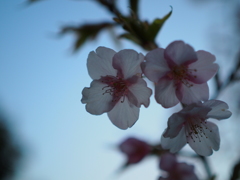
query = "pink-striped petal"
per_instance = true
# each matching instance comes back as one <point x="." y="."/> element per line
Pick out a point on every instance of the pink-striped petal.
<point x="165" y="93"/>
<point x="193" y="94"/>
<point x="127" y="62"/>
<point x="97" y="102"/>
<point x="124" y="114"/>
<point x="99" y="63"/>
<point x="204" y="68"/>
<point x="179" y="53"/>
<point x="155" y="66"/>
<point x="141" y="93"/>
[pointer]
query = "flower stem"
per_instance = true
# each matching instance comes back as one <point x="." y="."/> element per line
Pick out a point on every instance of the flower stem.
<point x="206" y="166"/>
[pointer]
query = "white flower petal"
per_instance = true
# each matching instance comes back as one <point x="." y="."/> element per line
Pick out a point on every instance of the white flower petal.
<point x="96" y="102"/>
<point x="99" y="63"/>
<point x="219" y="109"/>
<point x="174" y="144"/>
<point x="196" y="110"/>
<point x="205" y="69"/>
<point x="202" y="148"/>
<point x="213" y="136"/>
<point x="203" y="144"/>
<point x="180" y="53"/>
<point x="155" y="66"/>
<point x="175" y="124"/>
<point x="127" y="62"/>
<point x="165" y="93"/>
<point x="154" y="72"/>
<point x="124" y="114"/>
<point x="193" y="94"/>
<point x="141" y="92"/>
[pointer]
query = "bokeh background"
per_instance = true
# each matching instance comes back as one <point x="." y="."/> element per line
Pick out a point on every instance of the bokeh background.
<point x="41" y="80"/>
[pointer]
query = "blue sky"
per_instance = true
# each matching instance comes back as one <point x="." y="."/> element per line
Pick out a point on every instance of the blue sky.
<point x="41" y="83"/>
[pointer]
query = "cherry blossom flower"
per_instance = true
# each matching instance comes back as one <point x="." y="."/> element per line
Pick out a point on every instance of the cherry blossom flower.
<point x="176" y="170"/>
<point x="134" y="149"/>
<point x="190" y="126"/>
<point x="179" y="73"/>
<point x="117" y="87"/>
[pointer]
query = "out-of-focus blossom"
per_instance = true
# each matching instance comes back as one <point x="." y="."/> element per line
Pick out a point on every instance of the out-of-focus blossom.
<point x="134" y="149"/>
<point x="176" y="170"/>
<point x="117" y="87"/>
<point x="179" y="73"/>
<point x="190" y="126"/>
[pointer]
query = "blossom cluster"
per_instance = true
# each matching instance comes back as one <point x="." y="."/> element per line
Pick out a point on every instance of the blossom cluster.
<point x="179" y="75"/>
<point x="136" y="150"/>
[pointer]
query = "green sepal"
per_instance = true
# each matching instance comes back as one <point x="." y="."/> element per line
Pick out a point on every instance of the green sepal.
<point x="156" y="26"/>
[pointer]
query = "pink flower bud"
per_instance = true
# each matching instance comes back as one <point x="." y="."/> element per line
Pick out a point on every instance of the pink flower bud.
<point x="134" y="149"/>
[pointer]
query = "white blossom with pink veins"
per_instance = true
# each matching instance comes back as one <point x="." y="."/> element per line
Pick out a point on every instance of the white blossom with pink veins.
<point x="117" y="87"/>
<point x="190" y="126"/>
<point x="179" y="73"/>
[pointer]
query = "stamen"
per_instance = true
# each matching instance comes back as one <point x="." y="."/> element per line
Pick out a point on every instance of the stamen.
<point x="181" y="74"/>
<point x="117" y="87"/>
<point x="195" y="129"/>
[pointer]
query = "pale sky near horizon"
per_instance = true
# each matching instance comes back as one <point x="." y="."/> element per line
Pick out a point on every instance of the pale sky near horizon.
<point x="41" y="83"/>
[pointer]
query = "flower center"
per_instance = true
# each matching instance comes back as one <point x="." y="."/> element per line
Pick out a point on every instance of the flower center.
<point x="195" y="129"/>
<point x="116" y="86"/>
<point x="181" y="74"/>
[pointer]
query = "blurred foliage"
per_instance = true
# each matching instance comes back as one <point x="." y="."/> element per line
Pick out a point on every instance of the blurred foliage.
<point x="236" y="171"/>
<point x="138" y="31"/>
<point x="110" y="5"/>
<point x="134" y="6"/>
<point x="29" y="2"/>
<point x="85" y="32"/>
<point x="33" y="1"/>
<point x="213" y="177"/>
<point x="10" y="153"/>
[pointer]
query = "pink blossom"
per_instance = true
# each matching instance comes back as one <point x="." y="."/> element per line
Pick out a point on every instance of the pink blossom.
<point x="179" y="73"/>
<point x="117" y="87"/>
<point x="134" y="149"/>
<point x="176" y="170"/>
<point x="190" y="126"/>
